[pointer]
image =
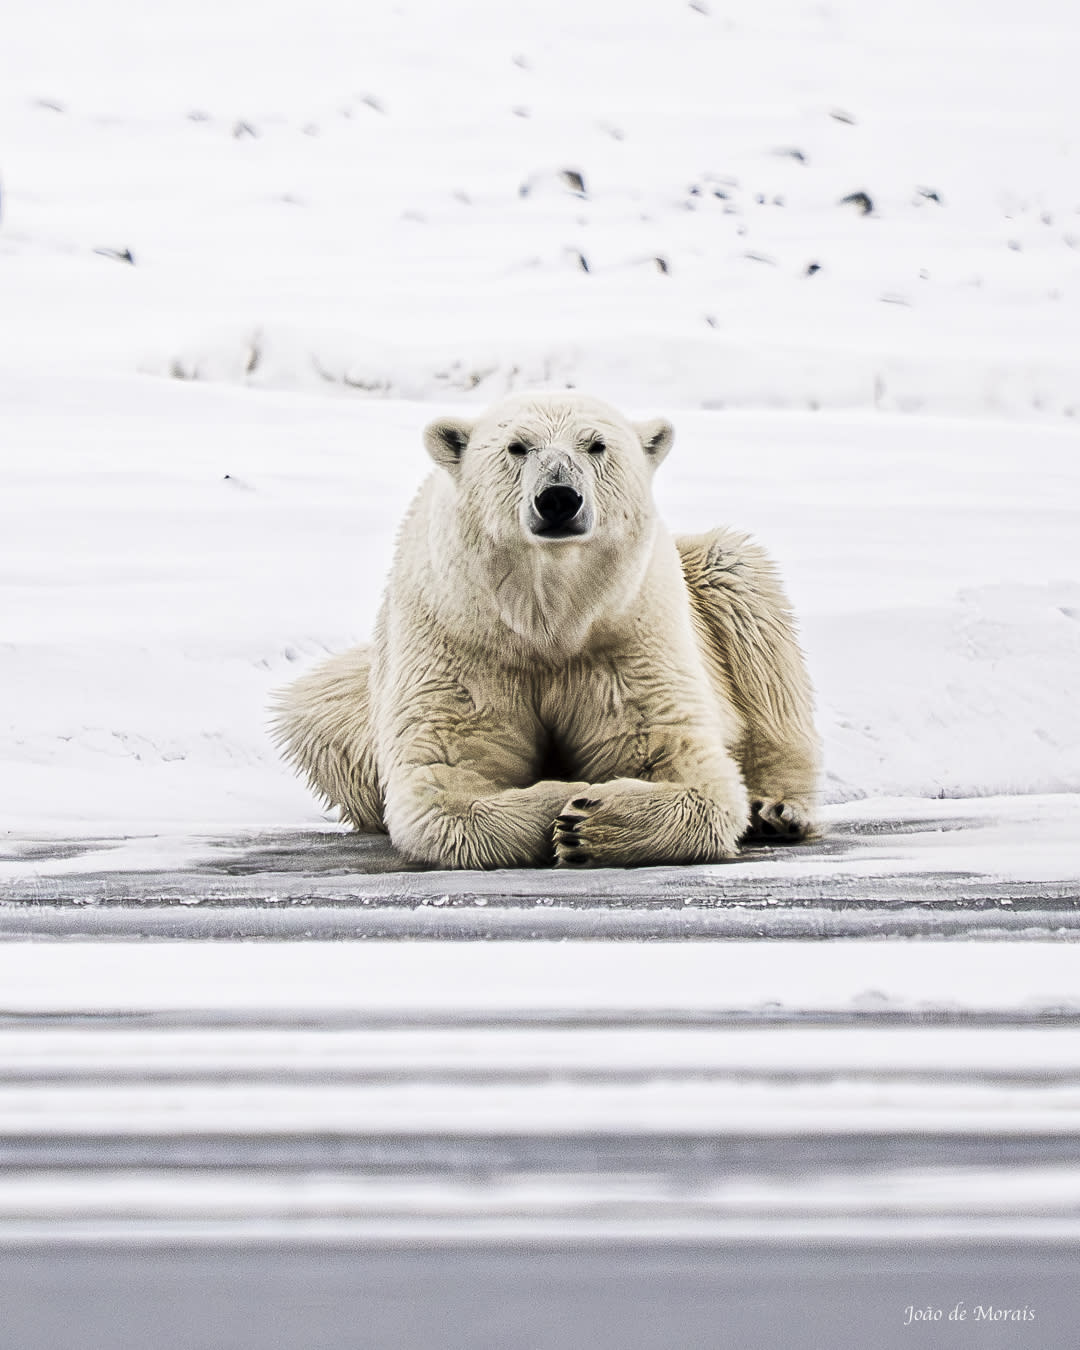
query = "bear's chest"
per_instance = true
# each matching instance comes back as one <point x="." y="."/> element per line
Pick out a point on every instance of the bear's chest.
<point x="590" y="729"/>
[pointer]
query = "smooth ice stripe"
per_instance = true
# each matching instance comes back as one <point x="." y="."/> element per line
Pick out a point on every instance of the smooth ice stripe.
<point x="656" y="1233"/>
<point x="45" y="1053"/>
<point x="443" y="977"/>
<point x="994" y="1194"/>
<point x="675" y="1106"/>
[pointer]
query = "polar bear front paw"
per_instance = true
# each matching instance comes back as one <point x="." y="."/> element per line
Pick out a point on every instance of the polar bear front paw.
<point x="774" y="822"/>
<point x="633" y="823"/>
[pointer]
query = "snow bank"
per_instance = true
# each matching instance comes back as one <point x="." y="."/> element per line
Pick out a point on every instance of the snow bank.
<point x="415" y="200"/>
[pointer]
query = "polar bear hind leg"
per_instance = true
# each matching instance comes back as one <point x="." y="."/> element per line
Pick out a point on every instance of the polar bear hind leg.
<point x="322" y="724"/>
<point x="747" y="636"/>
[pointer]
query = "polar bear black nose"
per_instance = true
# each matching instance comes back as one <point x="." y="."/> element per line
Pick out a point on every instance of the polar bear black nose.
<point x="558" y="505"/>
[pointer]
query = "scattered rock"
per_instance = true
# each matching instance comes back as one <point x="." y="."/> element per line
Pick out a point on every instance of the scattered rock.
<point x="761" y="258"/>
<point x="699" y="7"/>
<point x="839" y="115"/>
<point x="123" y="255"/>
<point x="49" y="105"/>
<point x="244" y="129"/>
<point x="370" y="101"/>
<point x="662" y="265"/>
<point x="861" y="200"/>
<point x="791" y="152"/>
<point x="812" y="269"/>
<point x="557" y="180"/>
<point x="930" y="195"/>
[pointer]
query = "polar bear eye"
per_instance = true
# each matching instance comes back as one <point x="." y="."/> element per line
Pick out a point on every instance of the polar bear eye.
<point x="518" y="448"/>
<point x="597" y="446"/>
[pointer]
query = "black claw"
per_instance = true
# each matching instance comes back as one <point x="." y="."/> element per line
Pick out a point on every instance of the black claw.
<point x="578" y="860"/>
<point x="570" y="821"/>
<point x="583" y="803"/>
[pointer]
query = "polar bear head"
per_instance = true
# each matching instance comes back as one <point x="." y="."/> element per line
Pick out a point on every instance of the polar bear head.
<point x="552" y="471"/>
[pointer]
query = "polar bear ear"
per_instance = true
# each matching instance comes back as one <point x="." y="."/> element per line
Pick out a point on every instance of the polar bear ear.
<point x="656" y="437"/>
<point x="445" y="441"/>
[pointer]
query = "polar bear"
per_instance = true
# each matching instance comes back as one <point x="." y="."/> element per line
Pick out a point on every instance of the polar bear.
<point x="553" y="678"/>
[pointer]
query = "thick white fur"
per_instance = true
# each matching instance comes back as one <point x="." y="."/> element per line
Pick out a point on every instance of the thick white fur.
<point x="608" y="700"/>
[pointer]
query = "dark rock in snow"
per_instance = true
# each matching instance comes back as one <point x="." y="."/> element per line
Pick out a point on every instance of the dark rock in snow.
<point x="862" y="200"/>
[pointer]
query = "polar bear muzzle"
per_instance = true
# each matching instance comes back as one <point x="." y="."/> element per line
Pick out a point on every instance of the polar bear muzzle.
<point x="556" y="497"/>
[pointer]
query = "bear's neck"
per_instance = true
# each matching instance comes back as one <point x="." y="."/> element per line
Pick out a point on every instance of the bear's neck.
<point x="547" y="604"/>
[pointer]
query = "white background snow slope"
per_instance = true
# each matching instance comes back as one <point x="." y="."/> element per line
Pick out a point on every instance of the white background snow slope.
<point x="343" y="217"/>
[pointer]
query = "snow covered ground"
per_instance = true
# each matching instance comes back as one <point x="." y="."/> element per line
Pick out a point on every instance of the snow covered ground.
<point x="171" y="553"/>
<point x="340" y="222"/>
